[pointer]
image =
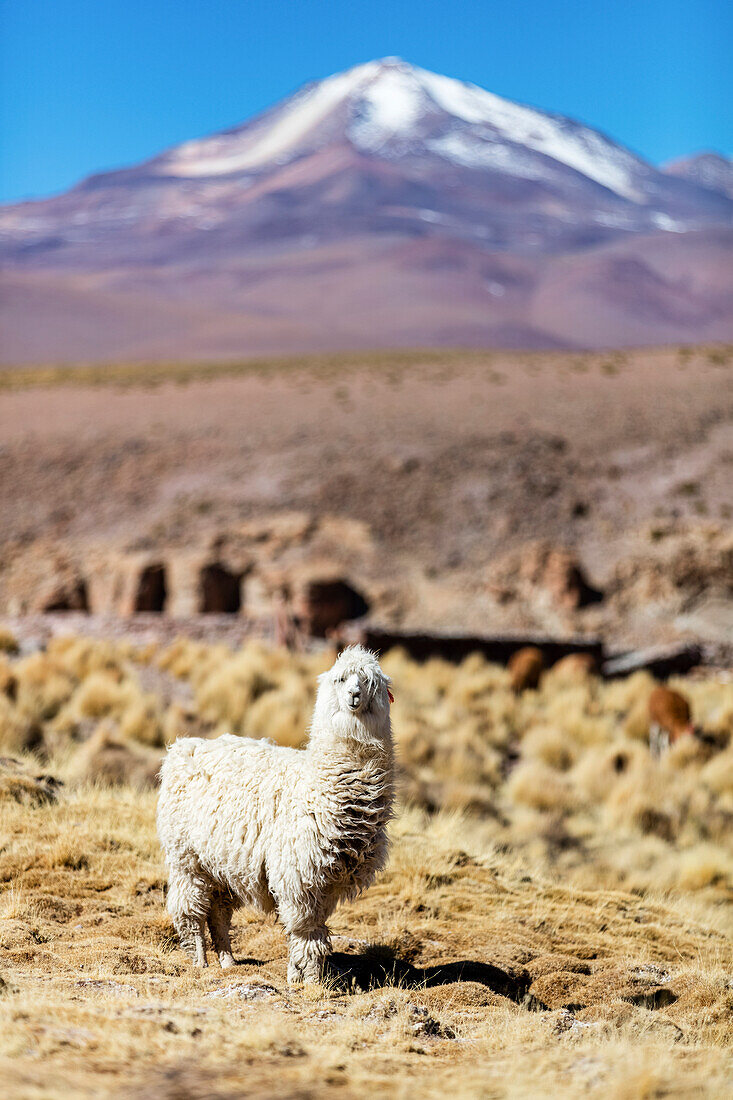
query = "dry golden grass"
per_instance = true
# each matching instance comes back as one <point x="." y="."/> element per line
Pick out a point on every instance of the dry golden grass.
<point x="570" y="933"/>
<point x="154" y="373"/>
<point x="593" y="992"/>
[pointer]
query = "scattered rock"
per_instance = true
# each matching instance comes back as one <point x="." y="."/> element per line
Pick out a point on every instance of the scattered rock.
<point x="383" y="1009"/>
<point x="565" y="1023"/>
<point x="420" y="1022"/>
<point x="425" y="1026"/>
<point x="161" y="1009"/>
<point x="246" y="992"/>
<point x="47" y="578"/>
<point x="114" y="989"/>
<point x="652" y="973"/>
<point x="685" y="565"/>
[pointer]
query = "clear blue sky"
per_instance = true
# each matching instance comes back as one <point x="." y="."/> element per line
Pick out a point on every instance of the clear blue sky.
<point x="93" y="84"/>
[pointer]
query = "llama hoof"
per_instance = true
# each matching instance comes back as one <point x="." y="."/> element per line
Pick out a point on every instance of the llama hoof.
<point x="295" y="976"/>
<point x="226" y="960"/>
<point x="307" y="975"/>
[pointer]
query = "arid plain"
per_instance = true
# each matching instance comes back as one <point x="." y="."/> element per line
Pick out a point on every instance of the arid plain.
<point x="435" y="477"/>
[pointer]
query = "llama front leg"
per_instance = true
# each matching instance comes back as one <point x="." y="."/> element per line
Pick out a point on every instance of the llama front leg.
<point x="307" y="954"/>
<point x="309" y="941"/>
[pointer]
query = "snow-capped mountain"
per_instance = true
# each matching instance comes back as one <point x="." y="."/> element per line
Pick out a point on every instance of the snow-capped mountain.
<point x="388" y="165"/>
<point x="394" y="110"/>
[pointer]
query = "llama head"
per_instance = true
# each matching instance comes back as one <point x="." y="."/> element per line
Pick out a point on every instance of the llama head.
<point x="354" y="697"/>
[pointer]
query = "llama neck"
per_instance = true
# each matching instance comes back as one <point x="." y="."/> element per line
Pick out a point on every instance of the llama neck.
<point x="339" y="757"/>
<point x="355" y="785"/>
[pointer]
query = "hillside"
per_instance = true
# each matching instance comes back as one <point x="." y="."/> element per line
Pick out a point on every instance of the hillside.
<point x="454" y="491"/>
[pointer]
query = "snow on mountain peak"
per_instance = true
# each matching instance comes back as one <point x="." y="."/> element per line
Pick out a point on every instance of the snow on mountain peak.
<point x="495" y="118"/>
<point x="390" y="100"/>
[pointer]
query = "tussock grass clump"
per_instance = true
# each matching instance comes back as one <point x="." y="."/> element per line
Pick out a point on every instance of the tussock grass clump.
<point x="255" y="692"/>
<point x="563" y="772"/>
<point x="17" y="732"/>
<point x="8" y="641"/>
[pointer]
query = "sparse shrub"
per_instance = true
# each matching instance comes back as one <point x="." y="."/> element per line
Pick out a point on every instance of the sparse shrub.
<point x="17" y="732"/>
<point x="82" y="656"/>
<point x="552" y="746"/>
<point x="535" y="785"/>
<point x="142" y="721"/>
<point x="574" y="751"/>
<point x="602" y="767"/>
<point x="704" y="865"/>
<point x="717" y="774"/>
<point x="102" y="694"/>
<point x="43" y="686"/>
<point x="108" y="760"/>
<point x="282" y="715"/>
<point x="8" y="641"/>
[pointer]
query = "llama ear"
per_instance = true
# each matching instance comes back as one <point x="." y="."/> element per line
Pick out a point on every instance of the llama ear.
<point x="391" y="696"/>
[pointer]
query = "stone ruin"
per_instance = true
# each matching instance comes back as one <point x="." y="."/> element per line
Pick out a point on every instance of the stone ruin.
<point x="311" y="599"/>
<point x="541" y="573"/>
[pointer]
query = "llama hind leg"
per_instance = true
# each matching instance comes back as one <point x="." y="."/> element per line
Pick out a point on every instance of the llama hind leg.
<point x="220" y="919"/>
<point x="188" y="904"/>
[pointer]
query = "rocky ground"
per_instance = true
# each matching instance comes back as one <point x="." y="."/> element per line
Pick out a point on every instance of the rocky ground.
<point x="468" y="491"/>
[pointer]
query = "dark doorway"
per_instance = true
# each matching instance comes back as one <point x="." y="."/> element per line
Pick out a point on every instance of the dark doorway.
<point x="69" y="598"/>
<point x="151" y="589"/>
<point x="327" y="604"/>
<point x="220" y="590"/>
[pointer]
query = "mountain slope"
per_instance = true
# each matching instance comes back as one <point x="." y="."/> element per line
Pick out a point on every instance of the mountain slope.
<point x="366" y="162"/>
<point x="705" y="169"/>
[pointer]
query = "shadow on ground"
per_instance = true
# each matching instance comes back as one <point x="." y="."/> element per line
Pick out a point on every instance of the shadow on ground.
<point x="380" y="967"/>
